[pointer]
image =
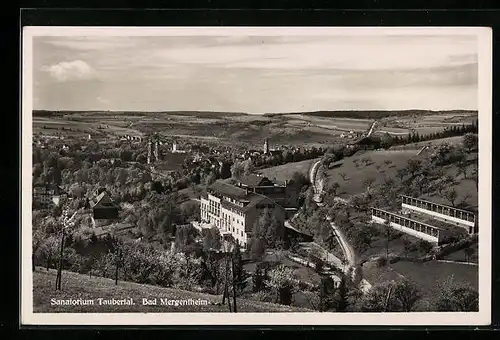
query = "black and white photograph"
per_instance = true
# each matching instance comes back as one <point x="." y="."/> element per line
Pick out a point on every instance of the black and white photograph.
<point x="256" y="175"/>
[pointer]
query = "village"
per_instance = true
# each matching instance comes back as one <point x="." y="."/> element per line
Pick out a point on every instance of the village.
<point x="200" y="199"/>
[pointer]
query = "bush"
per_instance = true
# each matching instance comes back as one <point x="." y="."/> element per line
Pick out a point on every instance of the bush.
<point x="264" y="296"/>
<point x="381" y="261"/>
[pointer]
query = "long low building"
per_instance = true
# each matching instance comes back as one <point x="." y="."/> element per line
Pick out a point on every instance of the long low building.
<point x="409" y="226"/>
<point x="458" y="217"/>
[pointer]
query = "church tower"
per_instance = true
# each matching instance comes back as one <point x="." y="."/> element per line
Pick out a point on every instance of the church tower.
<point x="157" y="155"/>
<point x="149" y="151"/>
<point x="266" y="146"/>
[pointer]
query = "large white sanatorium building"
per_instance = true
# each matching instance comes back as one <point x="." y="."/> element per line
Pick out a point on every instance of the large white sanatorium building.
<point x="234" y="210"/>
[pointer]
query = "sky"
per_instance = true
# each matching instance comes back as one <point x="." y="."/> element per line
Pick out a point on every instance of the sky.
<point x="255" y="74"/>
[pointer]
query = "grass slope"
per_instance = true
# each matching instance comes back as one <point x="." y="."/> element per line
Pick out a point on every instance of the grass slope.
<point x="76" y="286"/>
<point x="354" y="183"/>
<point x="285" y="171"/>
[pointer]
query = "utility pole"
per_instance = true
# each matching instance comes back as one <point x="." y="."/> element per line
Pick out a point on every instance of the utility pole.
<point x="234" y="285"/>
<point x="388" y="231"/>
<point x="387" y="246"/>
<point x="118" y="257"/>
<point x="59" y="269"/>
<point x="226" y="282"/>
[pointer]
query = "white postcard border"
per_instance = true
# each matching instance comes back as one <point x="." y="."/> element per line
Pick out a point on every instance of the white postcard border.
<point x="483" y="317"/>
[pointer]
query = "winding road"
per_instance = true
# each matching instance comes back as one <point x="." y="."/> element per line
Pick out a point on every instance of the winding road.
<point x="347" y="249"/>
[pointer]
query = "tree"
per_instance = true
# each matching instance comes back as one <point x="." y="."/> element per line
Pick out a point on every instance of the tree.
<point x="462" y="167"/>
<point x="414" y="166"/>
<point x="451" y="195"/>
<point x="367" y="160"/>
<point x="299" y="179"/>
<point x="211" y="239"/>
<point x="248" y="167"/>
<point x="327" y="160"/>
<point x="475" y="175"/>
<point x="407" y="245"/>
<point x="281" y="279"/>
<point x="267" y="232"/>
<point x="257" y="248"/>
<point x="49" y="249"/>
<point x="225" y="170"/>
<point x="326" y="294"/>
<point x="387" y="141"/>
<point x="470" y="141"/>
<point x="457" y="297"/>
<point x="37" y="241"/>
<point x="240" y="274"/>
<point x="259" y="277"/>
<point x="184" y="237"/>
<point x="468" y="252"/>
<point x="401" y="173"/>
<point x="237" y="170"/>
<point x="341" y="298"/>
<point x="380" y="298"/>
<point x="343" y="175"/>
<point x="210" y="179"/>
<point x="368" y="182"/>
<point x="407" y="293"/>
<point x="332" y="188"/>
<point x="421" y="182"/>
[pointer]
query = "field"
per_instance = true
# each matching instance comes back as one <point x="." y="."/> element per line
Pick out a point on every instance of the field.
<point x="416" y="146"/>
<point x="354" y="183"/>
<point x="76" y="286"/>
<point x="424" y="123"/>
<point x="285" y="171"/>
<point x="281" y="129"/>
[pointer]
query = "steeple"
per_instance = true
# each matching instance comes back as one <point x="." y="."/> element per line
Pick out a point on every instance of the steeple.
<point x="266" y="146"/>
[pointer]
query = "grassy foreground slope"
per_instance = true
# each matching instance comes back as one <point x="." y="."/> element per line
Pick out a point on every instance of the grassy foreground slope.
<point x="75" y="286"/>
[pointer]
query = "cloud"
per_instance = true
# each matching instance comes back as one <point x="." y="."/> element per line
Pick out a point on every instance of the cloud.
<point x="70" y="71"/>
<point x="102" y="100"/>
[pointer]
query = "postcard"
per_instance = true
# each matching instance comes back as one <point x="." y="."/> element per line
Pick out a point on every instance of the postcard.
<point x="256" y="176"/>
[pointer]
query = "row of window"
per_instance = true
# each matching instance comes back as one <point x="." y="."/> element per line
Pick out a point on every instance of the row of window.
<point x="228" y="218"/>
<point x="235" y="211"/>
<point x="233" y="201"/>
<point x="406" y="222"/>
<point x="440" y="209"/>
<point x="212" y="207"/>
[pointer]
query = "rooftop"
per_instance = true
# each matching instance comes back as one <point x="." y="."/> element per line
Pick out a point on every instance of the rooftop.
<point x="227" y="189"/>
<point x="102" y="199"/>
<point x="249" y="199"/>
<point x="255" y="180"/>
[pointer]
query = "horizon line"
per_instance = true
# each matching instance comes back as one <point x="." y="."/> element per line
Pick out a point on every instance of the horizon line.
<point x="256" y="113"/>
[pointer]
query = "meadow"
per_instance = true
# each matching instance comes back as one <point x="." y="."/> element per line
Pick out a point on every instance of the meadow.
<point x="285" y="171"/>
<point x="356" y="171"/>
